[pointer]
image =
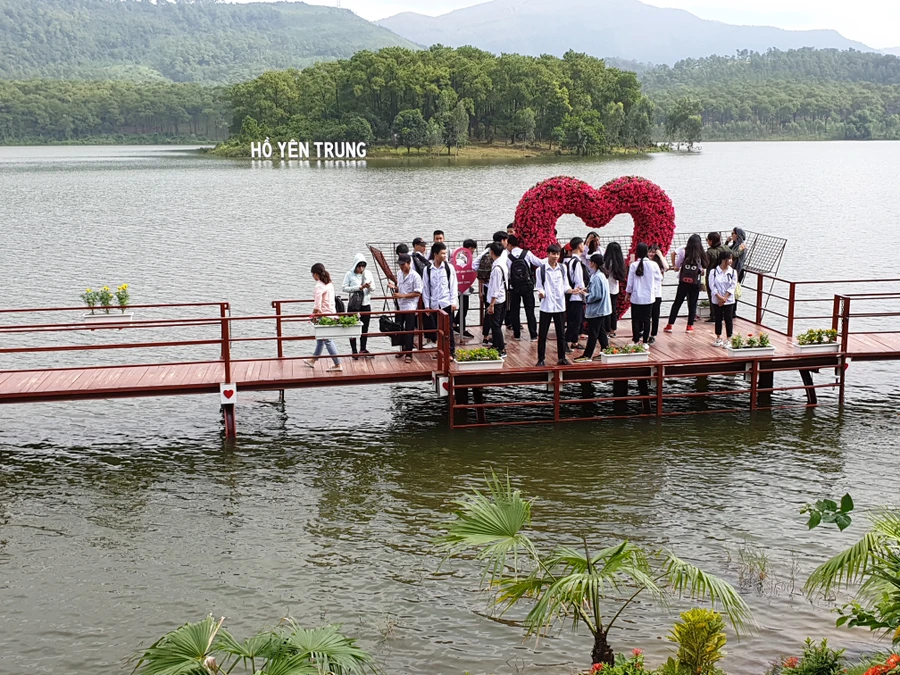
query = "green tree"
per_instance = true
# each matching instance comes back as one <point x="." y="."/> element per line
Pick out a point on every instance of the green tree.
<point x="580" y="585"/>
<point x="583" y="133"/>
<point x="525" y="125"/>
<point x="410" y="129"/>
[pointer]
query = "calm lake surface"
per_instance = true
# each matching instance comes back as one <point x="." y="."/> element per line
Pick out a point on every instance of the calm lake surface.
<point x="119" y="520"/>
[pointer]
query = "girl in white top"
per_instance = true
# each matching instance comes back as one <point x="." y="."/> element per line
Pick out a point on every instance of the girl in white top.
<point x="656" y="256"/>
<point x="324" y="304"/>
<point x="616" y="274"/>
<point x="643" y="277"/>
<point x="722" y="285"/>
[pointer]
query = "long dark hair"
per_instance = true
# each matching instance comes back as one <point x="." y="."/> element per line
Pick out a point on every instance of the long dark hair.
<point x="593" y="244"/>
<point x="615" y="262"/>
<point x="641" y="253"/>
<point x="319" y="270"/>
<point x="715" y="238"/>
<point x="694" y="253"/>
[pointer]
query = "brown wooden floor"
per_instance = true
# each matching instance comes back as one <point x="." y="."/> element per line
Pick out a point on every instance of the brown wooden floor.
<point x="289" y="373"/>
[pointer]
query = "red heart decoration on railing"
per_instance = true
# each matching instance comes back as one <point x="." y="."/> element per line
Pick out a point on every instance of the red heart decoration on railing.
<point x="446" y="386"/>
<point x="228" y="393"/>
<point x="644" y="201"/>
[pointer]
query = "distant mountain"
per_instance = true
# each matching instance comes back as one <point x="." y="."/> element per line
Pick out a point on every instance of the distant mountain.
<point x="626" y="29"/>
<point x="179" y="41"/>
<point x="892" y="50"/>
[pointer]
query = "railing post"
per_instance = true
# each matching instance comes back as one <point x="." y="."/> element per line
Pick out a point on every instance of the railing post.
<point x="836" y="313"/>
<point x="793" y="297"/>
<point x="448" y="327"/>
<point x="845" y="341"/>
<point x="754" y="384"/>
<point x="223" y="313"/>
<point x="226" y="347"/>
<point x="280" y="343"/>
<point x="660" y="383"/>
<point x="759" y="298"/>
<point x="557" y="393"/>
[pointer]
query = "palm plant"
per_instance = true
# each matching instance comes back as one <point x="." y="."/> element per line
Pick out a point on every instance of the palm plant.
<point x="874" y="563"/>
<point x="205" y="648"/>
<point x="581" y="586"/>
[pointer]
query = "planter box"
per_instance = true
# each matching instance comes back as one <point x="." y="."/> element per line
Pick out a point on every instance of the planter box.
<point x="331" y="332"/>
<point x="750" y="353"/>
<point x="614" y="359"/>
<point x="112" y="317"/>
<point x="824" y="348"/>
<point x="479" y="365"/>
<point x="703" y="312"/>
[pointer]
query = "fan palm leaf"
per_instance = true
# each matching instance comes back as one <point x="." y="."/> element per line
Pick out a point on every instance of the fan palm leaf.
<point x="184" y="651"/>
<point x="687" y="580"/>
<point x="329" y="650"/>
<point x="492" y="525"/>
<point x="261" y="647"/>
<point x="298" y="664"/>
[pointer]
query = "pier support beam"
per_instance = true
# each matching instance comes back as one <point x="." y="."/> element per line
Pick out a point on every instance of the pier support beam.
<point x="620" y="389"/>
<point x="230" y="425"/>
<point x="811" y="398"/>
<point x="766" y="381"/>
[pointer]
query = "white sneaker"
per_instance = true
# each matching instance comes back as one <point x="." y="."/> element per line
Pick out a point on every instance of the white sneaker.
<point x="718" y="343"/>
<point x="335" y="369"/>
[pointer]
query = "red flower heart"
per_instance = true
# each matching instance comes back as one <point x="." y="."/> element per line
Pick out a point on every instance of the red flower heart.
<point x="228" y="393"/>
<point x="645" y="202"/>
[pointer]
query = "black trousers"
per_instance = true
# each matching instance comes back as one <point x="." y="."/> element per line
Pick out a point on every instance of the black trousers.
<point x="654" y="317"/>
<point x="558" y="319"/>
<point x="516" y="301"/>
<point x="640" y="322"/>
<point x="724" y="313"/>
<point x="689" y="292"/>
<point x="365" y="319"/>
<point x="463" y="311"/>
<point x="429" y="324"/>
<point x="408" y="321"/>
<point x="596" y="331"/>
<point x="449" y="311"/>
<point x="497" y="319"/>
<point x="612" y="321"/>
<point x="486" y="329"/>
<point x="574" y="319"/>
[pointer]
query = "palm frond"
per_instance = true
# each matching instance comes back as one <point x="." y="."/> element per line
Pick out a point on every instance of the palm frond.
<point x="687" y="580"/>
<point x="263" y="646"/>
<point x="183" y="651"/>
<point x="492" y="525"/>
<point x="887" y="523"/>
<point x="329" y="650"/>
<point x="298" y="664"/>
<point x="846" y="567"/>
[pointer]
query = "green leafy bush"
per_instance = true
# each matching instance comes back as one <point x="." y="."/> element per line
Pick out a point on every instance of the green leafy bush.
<point x="818" y="336"/>
<point x="700" y="636"/>
<point x="346" y="321"/>
<point x="626" y="349"/>
<point x="817" y="659"/>
<point x="480" y="354"/>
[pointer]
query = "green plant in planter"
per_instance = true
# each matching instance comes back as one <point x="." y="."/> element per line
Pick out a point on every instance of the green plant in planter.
<point x="761" y="340"/>
<point x="345" y="321"/>
<point x="205" y="648"/>
<point x="480" y="354"/>
<point x="123" y="297"/>
<point x="90" y="298"/>
<point x="105" y="298"/>
<point x="626" y="349"/>
<point x="818" y="336"/>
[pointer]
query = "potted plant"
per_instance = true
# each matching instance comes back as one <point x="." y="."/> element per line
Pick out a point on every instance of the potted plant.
<point x="483" y="358"/>
<point x="818" y="340"/>
<point x="344" y="326"/>
<point x="759" y="345"/>
<point x="104" y="299"/>
<point x="638" y="353"/>
<point x="703" y="311"/>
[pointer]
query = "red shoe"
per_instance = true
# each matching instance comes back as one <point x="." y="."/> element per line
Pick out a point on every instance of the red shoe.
<point x="668" y="328"/>
<point x="689" y="329"/>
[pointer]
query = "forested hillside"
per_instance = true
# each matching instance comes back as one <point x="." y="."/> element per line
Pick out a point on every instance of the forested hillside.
<point x="799" y="94"/>
<point x="182" y="41"/>
<point x="441" y="97"/>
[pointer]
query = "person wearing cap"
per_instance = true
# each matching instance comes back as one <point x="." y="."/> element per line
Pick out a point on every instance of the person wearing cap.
<point x="598" y="306"/>
<point x="408" y="292"/>
<point x="359" y="279"/>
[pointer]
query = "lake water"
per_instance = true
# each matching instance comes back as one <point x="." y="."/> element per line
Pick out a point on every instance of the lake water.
<point x="122" y="519"/>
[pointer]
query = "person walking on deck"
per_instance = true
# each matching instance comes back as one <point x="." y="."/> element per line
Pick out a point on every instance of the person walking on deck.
<point x="359" y="280"/>
<point x="690" y="263"/>
<point x="441" y="288"/>
<point x="324" y="304"/>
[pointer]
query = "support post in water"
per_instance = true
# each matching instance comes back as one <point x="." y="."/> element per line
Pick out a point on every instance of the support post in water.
<point x="227" y="399"/>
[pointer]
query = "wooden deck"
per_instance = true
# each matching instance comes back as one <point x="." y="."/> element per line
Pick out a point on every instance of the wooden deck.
<point x="687" y="350"/>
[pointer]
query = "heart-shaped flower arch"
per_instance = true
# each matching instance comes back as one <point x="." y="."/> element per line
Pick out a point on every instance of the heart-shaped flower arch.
<point x="647" y="204"/>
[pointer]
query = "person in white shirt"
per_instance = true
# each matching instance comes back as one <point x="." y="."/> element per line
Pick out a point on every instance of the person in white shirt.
<point x="496" y="296"/>
<point x="656" y="256"/>
<point x="440" y="287"/>
<point x="578" y="280"/>
<point x="553" y="286"/>
<point x="640" y="291"/>
<point x="408" y="292"/>
<point x="521" y="288"/>
<point x="722" y="286"/>
<point x="420" y="263"/>
<point x="616" y="275"/>
<point x="485" y="261"/>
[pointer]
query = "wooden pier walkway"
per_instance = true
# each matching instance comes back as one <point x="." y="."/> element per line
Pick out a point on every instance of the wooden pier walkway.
<point x="675" y="357"/>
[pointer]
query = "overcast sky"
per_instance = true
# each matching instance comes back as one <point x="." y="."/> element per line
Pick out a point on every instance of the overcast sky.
<point x="874" y="22"/>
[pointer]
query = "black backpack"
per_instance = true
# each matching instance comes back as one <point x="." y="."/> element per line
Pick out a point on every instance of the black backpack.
<point x="520" y="278"/>
<point x="690" y="274"/>
<point x="484" y="268"/>
<point x="339" y="307"/>
<point x="585" y="276"/>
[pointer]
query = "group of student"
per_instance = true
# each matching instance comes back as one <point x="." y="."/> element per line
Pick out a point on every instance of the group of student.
<point x="578" y="286"/>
